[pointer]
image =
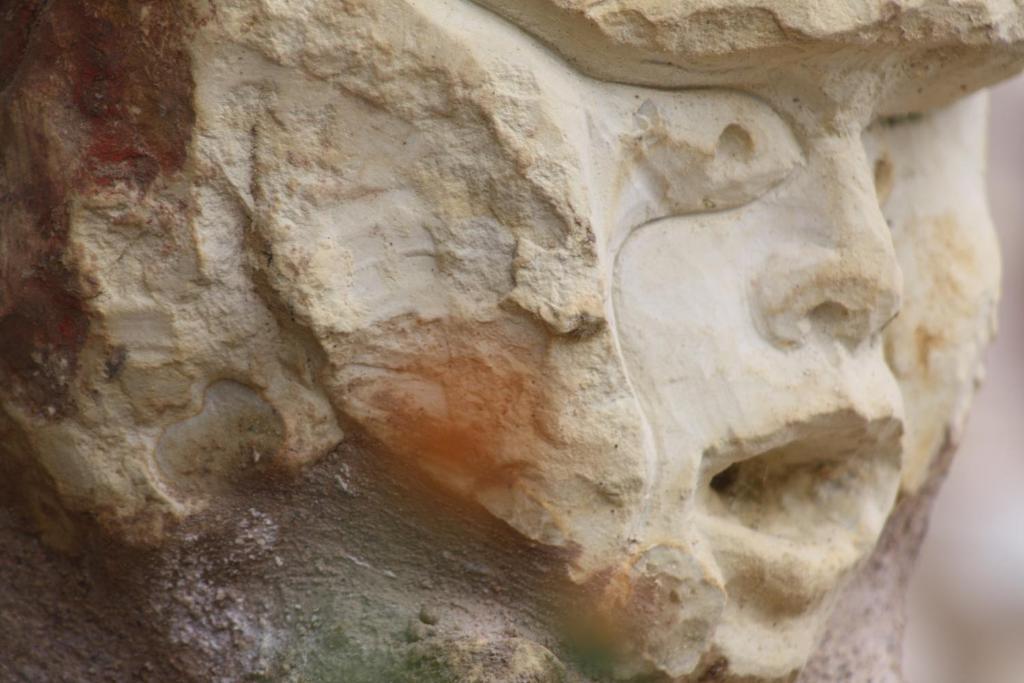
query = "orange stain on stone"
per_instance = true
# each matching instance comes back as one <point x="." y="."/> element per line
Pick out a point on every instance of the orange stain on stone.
<point x="465" y="432"/>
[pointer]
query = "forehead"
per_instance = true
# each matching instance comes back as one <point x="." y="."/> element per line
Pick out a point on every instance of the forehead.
<point x="932" y="51"/>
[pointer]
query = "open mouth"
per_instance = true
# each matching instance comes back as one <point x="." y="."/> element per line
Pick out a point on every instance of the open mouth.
<point x="788" y="515"/>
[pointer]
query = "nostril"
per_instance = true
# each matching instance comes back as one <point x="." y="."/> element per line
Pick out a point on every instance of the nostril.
<point x="794" y="324"/>
<point x="829" y="315"/>
<point x="839" y="322"/>
<point x="843" y="297"/>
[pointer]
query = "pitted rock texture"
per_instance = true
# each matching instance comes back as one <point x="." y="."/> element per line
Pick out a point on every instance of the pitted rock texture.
<point x="685" y="294"/>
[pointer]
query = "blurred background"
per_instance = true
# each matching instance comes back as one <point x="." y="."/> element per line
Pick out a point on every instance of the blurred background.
<point x="967" y="600"/>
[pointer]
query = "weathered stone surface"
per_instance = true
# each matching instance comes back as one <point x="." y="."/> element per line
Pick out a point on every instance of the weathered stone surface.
<point x="686" y="294"/>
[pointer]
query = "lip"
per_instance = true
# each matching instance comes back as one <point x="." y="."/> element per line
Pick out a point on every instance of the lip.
<point x="771" y="575"/>
<point x="787" y="518"/>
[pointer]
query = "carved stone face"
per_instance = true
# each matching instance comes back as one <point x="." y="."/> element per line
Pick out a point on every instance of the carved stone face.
<point x="692" y="333"/>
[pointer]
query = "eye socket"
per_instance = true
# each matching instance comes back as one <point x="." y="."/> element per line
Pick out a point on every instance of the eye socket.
<point x="883" y="178"/>
<point x="878" y="139"/>
<point x="692" y="152"/>
<point x="735" y="143"/>
<point x="899" y="120"/>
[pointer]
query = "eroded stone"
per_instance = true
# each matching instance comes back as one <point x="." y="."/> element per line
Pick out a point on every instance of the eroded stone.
<point x="688" y="293"/>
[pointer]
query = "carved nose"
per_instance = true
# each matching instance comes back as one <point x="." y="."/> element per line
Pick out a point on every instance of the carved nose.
<point x="841" y="280"/>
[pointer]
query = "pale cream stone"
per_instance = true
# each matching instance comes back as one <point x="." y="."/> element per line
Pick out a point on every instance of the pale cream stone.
<point x="685" y="288"/>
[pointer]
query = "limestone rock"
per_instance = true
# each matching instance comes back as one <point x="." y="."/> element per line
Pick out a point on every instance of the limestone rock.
<point x="687" y="292"/>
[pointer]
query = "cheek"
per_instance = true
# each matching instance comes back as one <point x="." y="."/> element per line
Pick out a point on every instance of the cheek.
<point x="717" y="388"/>
<point x="946" y="245"/>
<point x="679" y="317"/>
<point x="936" y="345"/>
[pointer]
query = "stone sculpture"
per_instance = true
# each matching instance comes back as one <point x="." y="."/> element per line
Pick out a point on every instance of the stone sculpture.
<point x="685" y="293"/>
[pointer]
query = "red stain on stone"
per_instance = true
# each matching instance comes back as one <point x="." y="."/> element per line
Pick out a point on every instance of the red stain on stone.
<point x="93" y="94"/>
<point x="130" y="80"/>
